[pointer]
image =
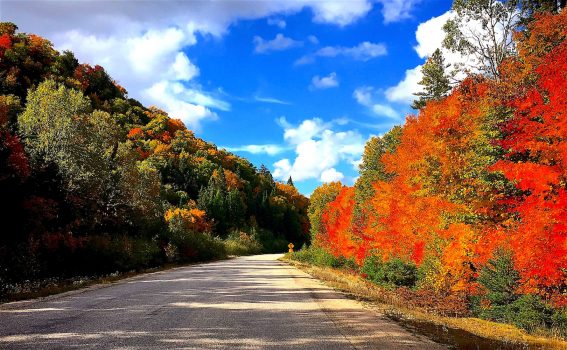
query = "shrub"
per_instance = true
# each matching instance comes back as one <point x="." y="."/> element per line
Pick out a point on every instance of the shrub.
<point x="186" y="245"/>
<point x="501" y="303"/>
<point x="559" y="322"/>
<point x="241" y="243"/>
<point x="529" y="312"/>
<point x="500" y="279"/>
<point x="393" y="273"/>
<point x="321" y="257"/>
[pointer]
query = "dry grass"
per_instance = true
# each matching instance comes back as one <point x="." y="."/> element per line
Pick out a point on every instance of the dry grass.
<point x="391" y="304"/>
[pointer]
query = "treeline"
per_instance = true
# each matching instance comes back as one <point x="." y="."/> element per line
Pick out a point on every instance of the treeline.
<point x="94" y="182"/>
<point x="466" y="203"/>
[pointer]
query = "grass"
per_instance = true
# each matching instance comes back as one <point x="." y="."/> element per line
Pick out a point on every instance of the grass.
<point x="387" y="302"/>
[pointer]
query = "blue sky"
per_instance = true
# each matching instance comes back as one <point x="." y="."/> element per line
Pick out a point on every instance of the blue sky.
<point x="298" y="86"/>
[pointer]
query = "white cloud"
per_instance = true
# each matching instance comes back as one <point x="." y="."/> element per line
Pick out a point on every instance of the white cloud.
<point x="324" y="82"/>
<point x="385" y="110"/>
<point x="313" y="39"/>
<point x="405" y="90"/>
<point x="430" y="35"/>
<point x="279" y="43"/>
<point x="318" y="149"/>
<point x="362" y="52"/>
<point x="341" y="13"/>
<point x="396" y="10"/>
<point x="269" y="149"/>
<point x="365" y="95"/>
<point x="278" y="22"/>
<point x="331" y="175"/>
<point x="145" y="45"/>
<point x="173" y="98"/>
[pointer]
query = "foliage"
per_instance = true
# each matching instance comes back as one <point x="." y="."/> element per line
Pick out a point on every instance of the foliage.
<point x="394" y="272"/>
<point x="467" y="199"/>
<point x="321" y="257"/>
<point x="87" y="171"/>
<point x="241" y="243"/>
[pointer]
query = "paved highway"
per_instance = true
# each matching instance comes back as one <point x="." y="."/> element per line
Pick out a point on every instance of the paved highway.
<point x="252" y="302"/>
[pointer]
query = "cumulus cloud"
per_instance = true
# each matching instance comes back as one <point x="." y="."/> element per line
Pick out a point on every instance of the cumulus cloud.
<point x="362" y="52"/>
<point x="170" y="96"/>
<point x="319" y="150"/>
<point x="324" y="82"/>
<point x="330" y="175"/>
<point x="144" y="45"/>
<point x="405" y="90"/>
<point x="430" y="35"/>
<point x="279" y="43"/>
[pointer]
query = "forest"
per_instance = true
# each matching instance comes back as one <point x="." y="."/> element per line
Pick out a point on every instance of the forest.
<point x="93" y="182"/>
<point x="464" y="207"/>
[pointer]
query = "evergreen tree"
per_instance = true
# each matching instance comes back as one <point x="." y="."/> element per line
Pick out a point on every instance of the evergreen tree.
<point x="435" y="81"/>
<point x="290" y="181"/>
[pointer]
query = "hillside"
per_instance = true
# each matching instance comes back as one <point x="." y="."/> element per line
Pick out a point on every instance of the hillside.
<point x="94" y="182"/>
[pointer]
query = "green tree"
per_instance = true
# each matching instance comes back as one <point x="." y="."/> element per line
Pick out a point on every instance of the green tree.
<point x="435" y="81"/>
<point x="290" y="181"/>
<point x="213" y="200"/>
<point x="500" y="279"/>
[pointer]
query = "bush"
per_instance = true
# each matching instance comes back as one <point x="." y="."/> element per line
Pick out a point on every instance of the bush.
<point x="500" y="279"/>
<point x="529" y="312"/>
<point x="393" y="273"/>
<point x="241" y="243"/>
<point x="559" y="322"/>
<point x="321" y="257"/>
<point x="501" y="303"/>
<point x="185" y="245"/>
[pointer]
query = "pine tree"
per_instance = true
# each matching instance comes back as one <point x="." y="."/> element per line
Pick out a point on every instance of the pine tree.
<point x="290" y="181"/>
<point x="435" y="81"/>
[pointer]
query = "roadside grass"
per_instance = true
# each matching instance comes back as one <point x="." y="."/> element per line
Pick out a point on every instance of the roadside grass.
<point x="449" y="330"/>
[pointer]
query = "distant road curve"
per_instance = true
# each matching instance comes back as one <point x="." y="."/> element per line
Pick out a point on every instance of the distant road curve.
<point x="251" y="302"/>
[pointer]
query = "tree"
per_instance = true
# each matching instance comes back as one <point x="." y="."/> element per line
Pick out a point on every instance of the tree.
<point x="535" y="6"/>
<point x="322" y="196"/>
<point x="290" y="181"/>
<point x="483" y="30"/>
<point x="435" y="80"/>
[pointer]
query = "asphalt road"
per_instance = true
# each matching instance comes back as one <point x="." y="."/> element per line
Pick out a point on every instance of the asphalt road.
<point x="252" y="302"/>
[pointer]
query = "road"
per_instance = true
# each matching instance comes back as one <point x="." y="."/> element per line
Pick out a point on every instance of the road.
<point x="252" y="302"/>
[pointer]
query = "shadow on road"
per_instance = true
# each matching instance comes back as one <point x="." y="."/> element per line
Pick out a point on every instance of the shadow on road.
<point x="245" y="303"/>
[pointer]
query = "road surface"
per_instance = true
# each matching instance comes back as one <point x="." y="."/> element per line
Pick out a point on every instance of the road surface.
<point x="252" y="302"/>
